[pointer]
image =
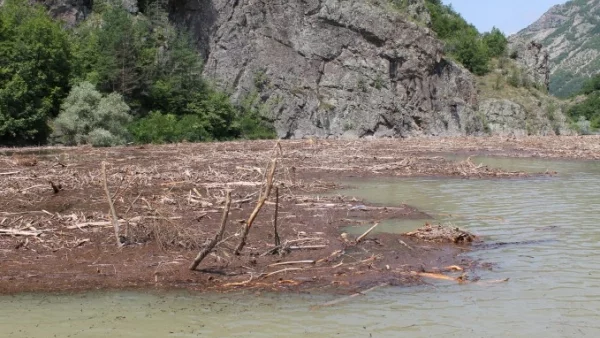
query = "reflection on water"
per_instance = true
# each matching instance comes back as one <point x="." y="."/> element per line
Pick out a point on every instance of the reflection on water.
<point x="554" y="287"/>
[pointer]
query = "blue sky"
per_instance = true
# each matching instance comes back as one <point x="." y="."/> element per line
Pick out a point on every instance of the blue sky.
<point x="508" y="15"/>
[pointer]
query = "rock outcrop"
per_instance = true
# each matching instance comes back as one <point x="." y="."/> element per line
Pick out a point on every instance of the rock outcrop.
<point x="507" y="118"/>
<point x="69" y="11"/>
<point x="533" y="59"/>
<point x="417" y="9"/>
<point x="334" y="68"/>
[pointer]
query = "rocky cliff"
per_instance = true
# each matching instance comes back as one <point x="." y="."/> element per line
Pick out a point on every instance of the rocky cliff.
<point x="362" y="68"/>
<point x="570" y="34"/>
<point x="334" y="68"/>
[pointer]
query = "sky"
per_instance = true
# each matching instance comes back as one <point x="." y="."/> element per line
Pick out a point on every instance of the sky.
<point x="510" y="16"/>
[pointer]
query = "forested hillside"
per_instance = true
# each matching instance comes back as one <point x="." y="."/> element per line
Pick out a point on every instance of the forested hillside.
<point x="116" y="77"/>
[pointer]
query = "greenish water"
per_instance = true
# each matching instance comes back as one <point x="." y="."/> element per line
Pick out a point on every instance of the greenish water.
<point x="554" y="287"/>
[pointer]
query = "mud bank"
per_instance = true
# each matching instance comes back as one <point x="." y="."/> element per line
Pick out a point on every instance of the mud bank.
<point x="56" y="233"/>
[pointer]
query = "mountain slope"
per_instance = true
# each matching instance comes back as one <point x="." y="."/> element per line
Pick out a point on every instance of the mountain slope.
<point x="570" y="32"/>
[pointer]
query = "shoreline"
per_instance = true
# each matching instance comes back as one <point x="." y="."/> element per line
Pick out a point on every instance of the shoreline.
<point x="170" y="199"/>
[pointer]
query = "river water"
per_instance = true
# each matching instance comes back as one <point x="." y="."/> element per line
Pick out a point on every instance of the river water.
<point x="553" y="291"/>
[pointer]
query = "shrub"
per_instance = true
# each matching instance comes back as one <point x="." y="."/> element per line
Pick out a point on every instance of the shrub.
<point x="168" y="128"/>
<point x="251" y="122"/>
<point x="583" y="126"/>
<point x="87" y="117"/>
<point x="589" y="110"/>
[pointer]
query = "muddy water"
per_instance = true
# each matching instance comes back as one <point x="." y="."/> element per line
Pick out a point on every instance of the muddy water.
<point x="554" y="287"/>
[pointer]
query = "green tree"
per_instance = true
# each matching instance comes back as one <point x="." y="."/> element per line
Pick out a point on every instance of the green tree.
<point x="496" y="42"/>
<point x="463" y="41"/>
<point x="472" y="53"/>
<point x="34" y="72"/>
<point x="112" y="51"/>
<point x="88" y="117"/>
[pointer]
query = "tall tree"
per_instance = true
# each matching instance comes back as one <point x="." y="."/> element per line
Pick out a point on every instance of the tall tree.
<point x="34" y="72"/>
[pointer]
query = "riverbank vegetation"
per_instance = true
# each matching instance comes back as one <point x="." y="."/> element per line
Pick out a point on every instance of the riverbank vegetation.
<point x="115" y="78"/>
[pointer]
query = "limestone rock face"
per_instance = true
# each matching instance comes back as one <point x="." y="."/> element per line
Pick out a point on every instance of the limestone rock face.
<point x="70" y="11"/>
<point x="333" y="68"/>
<point x="417" y="9"/>
<point x="507" y="118"/>
<point x="534" y="60"/>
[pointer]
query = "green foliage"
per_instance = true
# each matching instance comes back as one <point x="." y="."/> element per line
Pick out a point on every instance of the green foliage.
<point x="587" y="112"/>
<point x="496" y="42"/>
<point x="34" y="72"/>
<point x="472" y="53"/>
<point x="591" y="85"/>
<point x="463" y="41"/>
<point x="88" y="117"/>
<point x="169" y="128"/>
<point x="582" y="126"/>
<point x="378" y="82"/>
<point x="589" y="109"/>
<point x="251" y="122"/>
<point x="156" y="67"/>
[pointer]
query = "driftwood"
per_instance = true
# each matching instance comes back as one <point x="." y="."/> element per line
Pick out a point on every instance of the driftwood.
<point x="261" y="201"/>
<point x="114" y="218"/>
<point x="9" y="173"/>
<point x="343" y="299"/>
<point x="462" y="279"/>
<point x="361" y="237"/>
<point x="15" y="232"/>
<point x="440" y="233"/>
<point x="309" y="261"/>
<point x="281" y="271"/>
<point x="275" y="233"/>
<point x="202" y="254"/>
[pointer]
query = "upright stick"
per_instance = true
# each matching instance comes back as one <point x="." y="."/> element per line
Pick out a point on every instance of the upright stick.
<point x="261" y="201"/>
<point x="202" y="254"/>
<point x="277" y="240"/>
<point x="115" y="220"/>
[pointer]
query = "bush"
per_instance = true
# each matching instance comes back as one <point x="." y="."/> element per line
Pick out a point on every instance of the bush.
<point x="168" y="128"/>
<point x="589" y="110"/>
<point x="88" y="117"/>
<point x="583" y="126"/>
<point x="251" y="123"/>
